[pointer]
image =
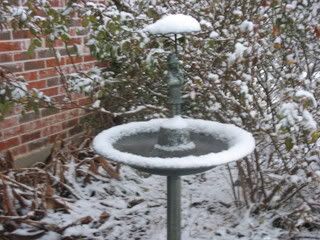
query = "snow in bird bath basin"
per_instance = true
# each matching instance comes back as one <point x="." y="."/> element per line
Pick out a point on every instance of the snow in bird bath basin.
<point x="176" y="23"/>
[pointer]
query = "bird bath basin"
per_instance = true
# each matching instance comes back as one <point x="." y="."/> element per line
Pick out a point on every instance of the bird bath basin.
<point x="138" y="145"/>
<point x="174" y="146"/>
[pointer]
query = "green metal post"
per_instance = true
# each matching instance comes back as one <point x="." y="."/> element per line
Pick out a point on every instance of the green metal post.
<point x="175" y="81"/>
<point x="173" y="208"/>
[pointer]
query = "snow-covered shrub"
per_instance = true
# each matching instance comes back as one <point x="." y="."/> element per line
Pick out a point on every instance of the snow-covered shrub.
<point x="15" y="91"/>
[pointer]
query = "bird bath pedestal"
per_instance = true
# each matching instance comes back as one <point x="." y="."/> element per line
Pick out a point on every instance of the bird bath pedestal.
<point x="174" y="147"/>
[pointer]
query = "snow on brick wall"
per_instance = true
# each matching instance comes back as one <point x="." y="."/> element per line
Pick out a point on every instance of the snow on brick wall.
<point x="25" y="133"/>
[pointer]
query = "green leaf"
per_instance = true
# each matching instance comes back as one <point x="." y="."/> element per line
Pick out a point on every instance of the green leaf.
<point x="315" y="136"/>
<point x="289" y="144"/>
<point x="35" y="42"/>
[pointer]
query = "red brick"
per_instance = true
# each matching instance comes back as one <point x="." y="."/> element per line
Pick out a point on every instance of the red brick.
<point x="51" y="120"/>
<point x="9" y="143"/>
<point x="30" y="76"/>
<point x="54" y="62"/>
<point x="51" y="91"/>
<point x="11" y="46"/>
<point x="47" y="53"/>
<point x="5" y="35"/>
<point x="6" y="58"/>
<point x="9" y="122"/>
<point x="53" y="81"/>
<point x="102" y="64"/>
<point x="56" y="44"/>
<point x="11" y="132"/>
<point x="59" y="99"/>
<point x="72" y="50"/>
<point x="73" y="33"/>
<point x="54" y="137"/>
<point x="70" y="123"/>
<point x="51" y="130"/>
<point x="34" y="65"/>
<point x="21" y="34"/>
<point x="62" y="90"/>
<point x="17" y="109"/>
<point x="47" y="73"/>
<point x="74" y="41"/>
<point x="13" y="67"/>
<point x="30" y="136"/>
<point x="29" y="116"/>
<point x="87" y="66"/>
<point x="19" y="150"/>
<point x="88" y="58"/>
<point x="56" y="3"/>
<point x="84" y="101"/>
<point x="74" y="113"/>
<point x="38" y="84"/>
<point x="73" y="60"/>
<point x="31" y="126"/>
<point x="61" y="117"/>
<point x="49" y="112"/>
<point x="23" y="56"/>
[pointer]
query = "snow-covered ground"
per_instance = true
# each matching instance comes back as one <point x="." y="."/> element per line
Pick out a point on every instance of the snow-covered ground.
<point x="137" y="209"/>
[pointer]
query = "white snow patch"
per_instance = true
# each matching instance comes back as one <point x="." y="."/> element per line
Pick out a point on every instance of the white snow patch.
<point x="177" y="23"/>
<point x="20" y="90"/>
<point x="238" y="53"/>
<point x="307" y="95"/>
<point x="213" y="76"/>
<point x="246" y="26"/>
<point x="206" y="23"/>
<point x="214" y="35"/>
<point x="50" y="236"/>
<point x="290" y="113"/>
<point x="309" y="121"/>
<point x="176" y="122"/>
<point x="96" y="104"/>
<point x="278" y="40"/>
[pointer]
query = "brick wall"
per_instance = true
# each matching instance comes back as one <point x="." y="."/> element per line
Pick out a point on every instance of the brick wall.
<point x="25" y="133"/>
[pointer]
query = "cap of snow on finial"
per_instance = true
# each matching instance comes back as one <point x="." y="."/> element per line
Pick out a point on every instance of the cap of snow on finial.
<point x="174" y="24"/>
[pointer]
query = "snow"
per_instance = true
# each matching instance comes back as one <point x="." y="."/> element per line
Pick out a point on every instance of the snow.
<point x="238" y="53"/>
<point x="208" y="212"/>
<point x="309" y="122"/>
<point x="307" y="95"/>
<point x="246" y="26"/>
<point x="26" y="232"/>
<point x="290" y="113"/>
<point x="50" y="236"/>
<point x="19" y="91"/>
<point x="241" y="143"/>
<point x="206" y="23"/>
<point x="278" y="40"/>
<point x="214" y="35"/>
<point x="176" y="122"/>
<point x="177" y="23"/>
<point x="96" y="104"/>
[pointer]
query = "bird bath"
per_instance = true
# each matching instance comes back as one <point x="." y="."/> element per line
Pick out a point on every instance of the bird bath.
<point x="174" y="147"/>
